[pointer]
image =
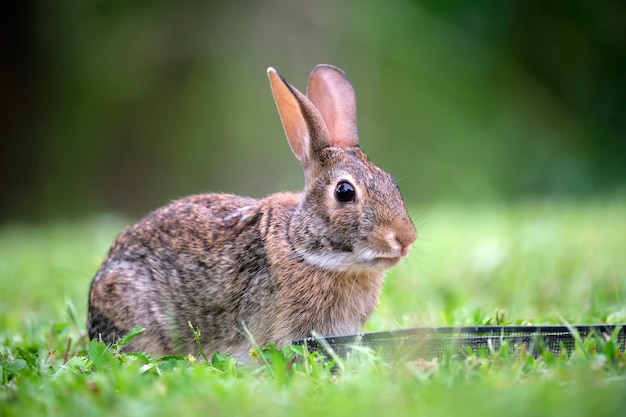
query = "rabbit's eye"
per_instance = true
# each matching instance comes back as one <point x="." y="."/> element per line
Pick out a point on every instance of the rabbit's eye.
<point x="344" y="193"/>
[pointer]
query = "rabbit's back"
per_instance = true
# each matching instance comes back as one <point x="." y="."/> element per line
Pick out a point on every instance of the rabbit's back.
<point x="200" y="259"/>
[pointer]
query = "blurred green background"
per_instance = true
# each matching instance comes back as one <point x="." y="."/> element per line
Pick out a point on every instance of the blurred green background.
<point x="121" y="106"/>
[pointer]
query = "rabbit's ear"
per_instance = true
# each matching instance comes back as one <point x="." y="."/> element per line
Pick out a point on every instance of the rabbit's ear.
<point x="304" y="126"/>
<point x="332" y="94"/>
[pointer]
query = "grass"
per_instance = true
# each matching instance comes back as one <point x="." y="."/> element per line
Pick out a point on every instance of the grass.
<point x="532" y="262"/>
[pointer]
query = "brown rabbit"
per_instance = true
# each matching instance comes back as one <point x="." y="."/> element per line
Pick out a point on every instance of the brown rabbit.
<point x="283" y="266"/>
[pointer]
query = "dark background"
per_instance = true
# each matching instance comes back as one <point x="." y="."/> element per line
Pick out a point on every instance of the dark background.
<point x="121" y="106"/>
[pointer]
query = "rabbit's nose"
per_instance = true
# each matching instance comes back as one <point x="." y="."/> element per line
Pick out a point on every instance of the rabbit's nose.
<point x="405" y="236"/>
<point x="402" y="242"/>
<point x="405" y="250"/>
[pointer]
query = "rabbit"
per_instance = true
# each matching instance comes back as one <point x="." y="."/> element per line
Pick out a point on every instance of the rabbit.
<point x="270" y="270"/>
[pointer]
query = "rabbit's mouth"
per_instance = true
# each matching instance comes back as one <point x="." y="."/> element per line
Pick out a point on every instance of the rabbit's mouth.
<point x="359" y="260"/>
<point x="388" y="262"/>
<point x="380" y="259"/>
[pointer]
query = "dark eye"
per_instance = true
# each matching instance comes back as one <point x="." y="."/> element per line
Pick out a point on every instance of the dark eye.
<point x="344" y="193"/>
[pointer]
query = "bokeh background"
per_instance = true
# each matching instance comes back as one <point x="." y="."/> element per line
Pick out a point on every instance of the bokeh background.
<point x="121" y="106"/>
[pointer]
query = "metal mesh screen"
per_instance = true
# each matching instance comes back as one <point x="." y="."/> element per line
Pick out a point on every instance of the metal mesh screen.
<point x="435" y="342"/>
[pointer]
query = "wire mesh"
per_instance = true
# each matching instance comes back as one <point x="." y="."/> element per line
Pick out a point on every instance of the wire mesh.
<point x="428" y="343"/>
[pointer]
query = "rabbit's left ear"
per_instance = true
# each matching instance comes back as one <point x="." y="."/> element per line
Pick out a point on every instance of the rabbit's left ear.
<point x="304" y="126"/>
<point x="333" y="96"/>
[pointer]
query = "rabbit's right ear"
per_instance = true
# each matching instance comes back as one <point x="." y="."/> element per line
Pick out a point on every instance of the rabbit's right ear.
<point x="304" y="126"/>
<point x="333" y="96"/>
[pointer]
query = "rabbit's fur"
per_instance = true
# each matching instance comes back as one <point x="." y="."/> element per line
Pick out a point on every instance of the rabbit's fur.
<point x="283" y="266"/>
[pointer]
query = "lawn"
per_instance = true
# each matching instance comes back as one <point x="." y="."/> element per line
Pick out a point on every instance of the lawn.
<point x="540" y="262"/>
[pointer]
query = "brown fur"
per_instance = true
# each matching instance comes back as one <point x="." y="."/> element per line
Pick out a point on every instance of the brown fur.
<point x="283" y="266"/>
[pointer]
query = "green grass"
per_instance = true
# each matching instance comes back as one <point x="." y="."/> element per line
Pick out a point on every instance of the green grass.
<point x="532" y="262"/>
